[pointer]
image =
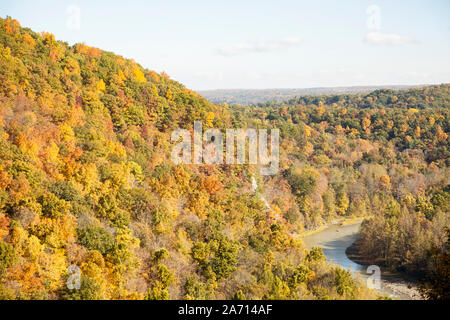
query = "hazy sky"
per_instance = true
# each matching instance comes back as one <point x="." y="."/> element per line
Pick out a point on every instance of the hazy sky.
<point x="259" y="44"/>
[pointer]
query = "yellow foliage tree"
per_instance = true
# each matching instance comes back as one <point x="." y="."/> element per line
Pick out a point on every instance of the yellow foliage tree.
<point x="139" y="75"/>
<point x="101" y="87"/>
<point x="209" y="119"/>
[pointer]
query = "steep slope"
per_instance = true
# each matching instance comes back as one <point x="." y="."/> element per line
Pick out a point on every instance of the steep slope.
<point x="87" y="182"/>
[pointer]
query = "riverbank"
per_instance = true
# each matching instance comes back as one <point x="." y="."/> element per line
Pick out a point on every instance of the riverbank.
<point x="339" y="240"/>
<point x="340" y="222"/>
<point x="334" y="240"/>
<point x="396" y="284"/>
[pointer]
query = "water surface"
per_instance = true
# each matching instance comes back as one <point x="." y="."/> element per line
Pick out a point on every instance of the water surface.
<point x="335" y="239"/>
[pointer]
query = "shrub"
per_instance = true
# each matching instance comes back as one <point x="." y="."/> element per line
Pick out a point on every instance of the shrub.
<point x="315" y="254"/>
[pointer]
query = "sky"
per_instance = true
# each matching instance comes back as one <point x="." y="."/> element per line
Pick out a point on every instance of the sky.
<point x="260" y="44"/>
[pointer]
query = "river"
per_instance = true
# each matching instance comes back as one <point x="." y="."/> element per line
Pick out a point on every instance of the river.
<point x="335" y="239"/>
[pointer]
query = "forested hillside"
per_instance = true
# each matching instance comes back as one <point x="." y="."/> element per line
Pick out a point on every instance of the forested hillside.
<point x="86" y="180"/>
<point x="385" y="155"/>
<point x="255" y="96"/>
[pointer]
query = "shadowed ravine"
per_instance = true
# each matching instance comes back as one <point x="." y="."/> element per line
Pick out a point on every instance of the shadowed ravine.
<point x="335" y="240"/>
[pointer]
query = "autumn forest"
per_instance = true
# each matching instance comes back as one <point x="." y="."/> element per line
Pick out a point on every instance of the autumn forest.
<point x="86" y="180"/>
